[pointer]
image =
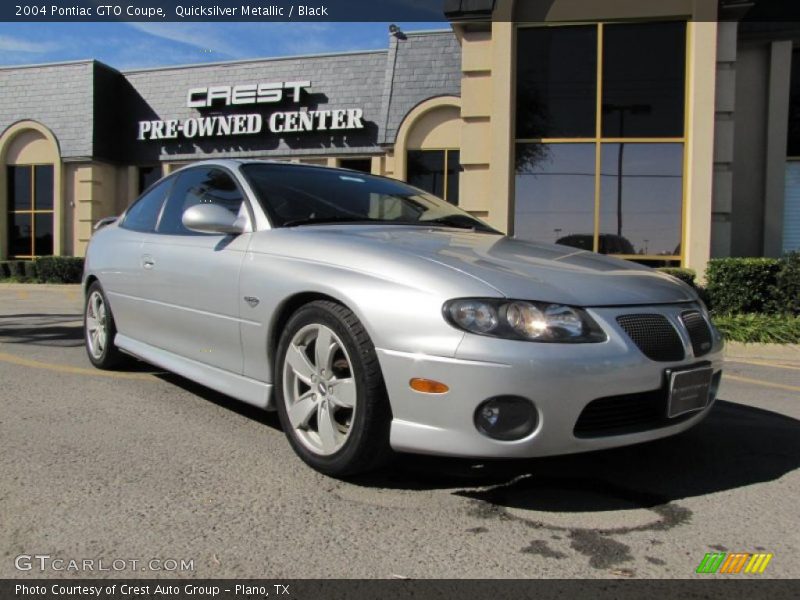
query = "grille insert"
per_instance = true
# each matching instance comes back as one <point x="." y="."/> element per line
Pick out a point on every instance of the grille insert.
<point x="699" y="332"/>
<point x="654" y="335"/>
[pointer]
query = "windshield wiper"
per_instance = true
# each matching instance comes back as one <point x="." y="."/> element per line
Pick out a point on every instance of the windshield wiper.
<point x="460" y="222"/>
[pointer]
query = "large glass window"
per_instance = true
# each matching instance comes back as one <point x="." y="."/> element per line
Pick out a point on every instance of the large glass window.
<point x="147" y="177"/>
<point x="640" y="198"/>
<point x="435" y="171"/>
<point x="557" y="181"/>
<point x="643" y="79"/>
<point x="793" y="137"/>
<point x="556" y="82"/>
<point x="357" y="164"/>
<point x="30" y="207"/>
<point x="608" y="180"/>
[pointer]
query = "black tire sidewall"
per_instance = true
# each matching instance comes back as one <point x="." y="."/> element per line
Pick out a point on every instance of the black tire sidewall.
<point x="340" y="463"/>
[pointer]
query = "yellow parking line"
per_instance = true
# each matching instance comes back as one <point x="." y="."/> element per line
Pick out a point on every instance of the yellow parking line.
<point x="762" y="363"/>
<point x="35" y="364"/>
<point x="780" y="386"/>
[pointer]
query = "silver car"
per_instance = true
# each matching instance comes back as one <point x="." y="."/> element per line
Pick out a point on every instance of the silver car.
<point x="375" y="317"/>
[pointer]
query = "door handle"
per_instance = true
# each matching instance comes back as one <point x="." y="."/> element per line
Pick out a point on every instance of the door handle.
<point x="148" y="262"/>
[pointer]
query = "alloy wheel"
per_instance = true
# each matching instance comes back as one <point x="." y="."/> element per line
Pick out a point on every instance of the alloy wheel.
<point x="96" y="325"/>
<point x="319" y="389"/>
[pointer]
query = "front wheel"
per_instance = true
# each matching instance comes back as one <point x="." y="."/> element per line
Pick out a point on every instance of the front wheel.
<point x="99" y="330"/>
<point x="330" y="393"/>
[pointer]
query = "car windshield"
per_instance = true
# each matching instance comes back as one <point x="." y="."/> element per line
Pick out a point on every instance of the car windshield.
<point x="293" y="195"/>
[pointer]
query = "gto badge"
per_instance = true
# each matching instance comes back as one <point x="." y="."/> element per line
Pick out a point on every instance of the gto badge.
<point x="252" y="301"/>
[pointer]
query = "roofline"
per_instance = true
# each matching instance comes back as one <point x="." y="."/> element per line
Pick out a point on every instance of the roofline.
<point x="63" y="63"/>
<point x="244" y="61"/>
<point x="427" y="32"/>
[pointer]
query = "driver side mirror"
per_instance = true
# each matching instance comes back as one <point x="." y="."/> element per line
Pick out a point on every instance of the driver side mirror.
<point x="212" y="218"/>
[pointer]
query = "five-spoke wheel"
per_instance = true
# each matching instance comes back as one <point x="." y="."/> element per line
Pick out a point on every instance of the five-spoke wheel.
<point x="329" y="390"/>
<point x="100" y="329"/>
<point x="319" y="389"/>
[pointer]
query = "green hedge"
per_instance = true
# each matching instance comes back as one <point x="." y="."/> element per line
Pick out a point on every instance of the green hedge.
<point x="16" y="268"/>
<point x="59" y="269"/>
<point x="743" y="285"/>
<point x="685" y="275"/>
<point x="787" y="285"/>
<point x="47" y="269"/>
<point x="755" y="328"/>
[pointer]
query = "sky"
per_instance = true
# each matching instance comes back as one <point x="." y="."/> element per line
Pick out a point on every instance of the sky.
<point x="135" y="45"/>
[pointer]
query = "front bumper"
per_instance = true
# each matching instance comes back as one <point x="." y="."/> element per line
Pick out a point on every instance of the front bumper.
<point x="559" y="379"/>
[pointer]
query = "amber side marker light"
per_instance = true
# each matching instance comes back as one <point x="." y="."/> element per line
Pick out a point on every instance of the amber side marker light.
<point x="428" y="386"/>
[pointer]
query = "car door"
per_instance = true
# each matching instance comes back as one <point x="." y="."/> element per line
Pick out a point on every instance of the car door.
<point x="119" y="264"/>
<point x="193" y="278"/>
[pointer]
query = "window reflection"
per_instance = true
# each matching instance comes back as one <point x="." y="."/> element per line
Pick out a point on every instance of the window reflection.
<point x="20" y="231"/>
<point x="43" y="187"/>
<point x="644" y="68"/>
<point x="638" y="192"/>
<point x="793" y="137"/>
<point x="30" y="210"/>
<point x="554" y="199"/>
<point x="556" y="81"/>
<point x="435" y="171"/>
<point x="19" y="185"/>
<point x="641" y="187"/>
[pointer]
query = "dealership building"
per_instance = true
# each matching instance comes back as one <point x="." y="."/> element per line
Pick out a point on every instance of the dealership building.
<point x="663" y="132"/>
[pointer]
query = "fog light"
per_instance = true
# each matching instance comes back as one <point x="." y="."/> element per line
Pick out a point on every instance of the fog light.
<point x="506" y="418"/>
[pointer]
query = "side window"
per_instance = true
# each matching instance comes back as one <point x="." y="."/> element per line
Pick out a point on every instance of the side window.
<point x="199" y="186"/>
<point x="142" y="216"/>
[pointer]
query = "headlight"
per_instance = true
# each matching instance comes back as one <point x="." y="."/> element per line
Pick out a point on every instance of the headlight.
<point x="522" y="319"/>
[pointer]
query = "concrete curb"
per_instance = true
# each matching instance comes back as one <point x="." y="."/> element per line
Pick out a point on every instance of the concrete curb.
<point x="30" y="287"/>
<point x="782" y="352"/>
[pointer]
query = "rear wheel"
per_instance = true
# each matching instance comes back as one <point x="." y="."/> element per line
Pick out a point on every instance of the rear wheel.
<point x="330" y="392"/>
<point x="99" y="330"/>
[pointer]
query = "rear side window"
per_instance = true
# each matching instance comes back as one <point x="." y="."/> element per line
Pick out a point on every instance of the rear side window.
<point x="142" y="216"/>
<point x="199" y="186"/>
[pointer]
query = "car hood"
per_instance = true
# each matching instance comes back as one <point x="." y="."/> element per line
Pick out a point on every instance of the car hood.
<point x="520" y="269"/>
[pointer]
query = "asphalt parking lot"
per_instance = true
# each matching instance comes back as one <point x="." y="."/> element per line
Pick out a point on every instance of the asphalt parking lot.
<point x="145" y="465"/>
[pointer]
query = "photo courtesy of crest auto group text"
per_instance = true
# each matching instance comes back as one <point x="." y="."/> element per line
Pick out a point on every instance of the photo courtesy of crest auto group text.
<point x="487" y="298"/>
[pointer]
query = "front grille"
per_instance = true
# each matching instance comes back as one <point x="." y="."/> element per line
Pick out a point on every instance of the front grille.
<point x="630" y="413"/>
<point x="699" y="331"/>
<point x="653" y="335"/>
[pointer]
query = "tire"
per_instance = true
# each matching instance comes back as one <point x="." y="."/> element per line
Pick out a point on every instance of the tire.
<point x="331" y="397"/>
<point x="99" y="330"/>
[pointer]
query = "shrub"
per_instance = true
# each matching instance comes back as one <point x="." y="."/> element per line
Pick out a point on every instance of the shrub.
<point x="742" y="285"/>
<point x="685" y="275"/>
<point x="60" y="269"/>
<point x="787" y="284"/>
<point x="29" y="270"/>
<point x="4" y="272"/>
<point x="755" y="328"/>
<point x="16" y="268"/>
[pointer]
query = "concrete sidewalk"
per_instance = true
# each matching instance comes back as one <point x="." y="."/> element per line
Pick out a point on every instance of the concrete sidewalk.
<point x="775" y="352"/>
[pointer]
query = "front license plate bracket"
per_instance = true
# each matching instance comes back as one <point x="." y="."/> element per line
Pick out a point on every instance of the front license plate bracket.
<point x="688" y="389"/>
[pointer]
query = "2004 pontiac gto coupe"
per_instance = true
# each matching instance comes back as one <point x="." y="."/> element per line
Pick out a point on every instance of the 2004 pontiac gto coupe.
<point x="373" y="316"/>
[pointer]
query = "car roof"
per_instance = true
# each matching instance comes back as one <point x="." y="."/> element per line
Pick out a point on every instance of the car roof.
<point x="233" y="163"/>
